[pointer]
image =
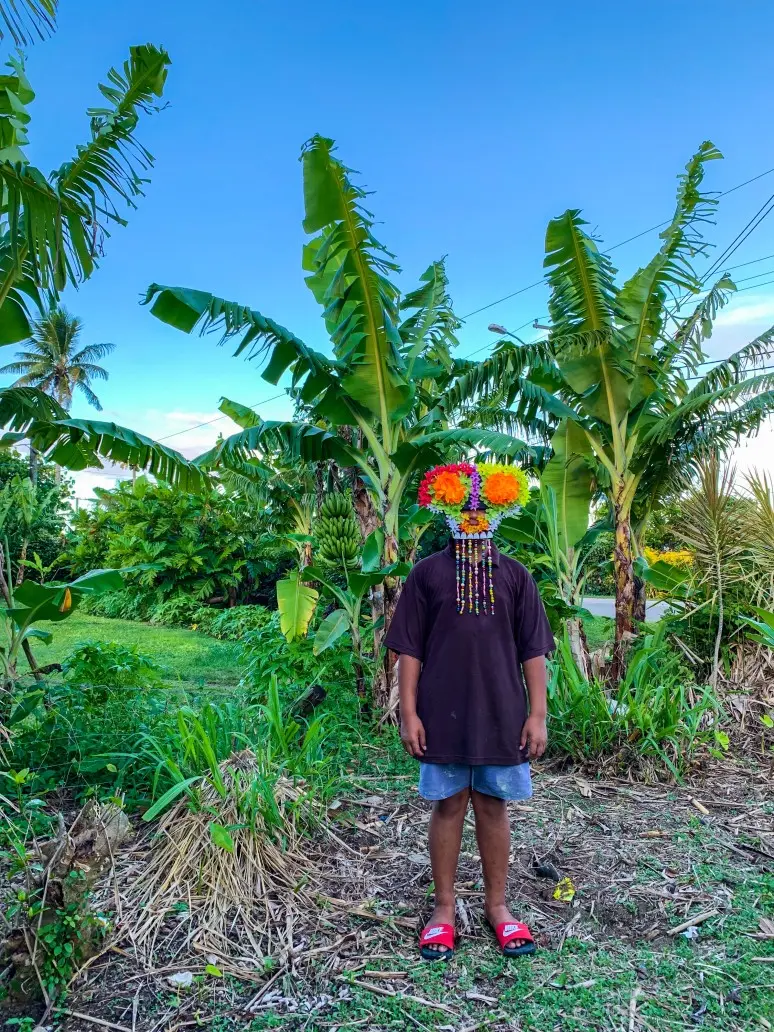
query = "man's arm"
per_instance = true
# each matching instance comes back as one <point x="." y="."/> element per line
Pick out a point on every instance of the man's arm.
<point x="412" y="731"/>
<point x="534" y="733"/>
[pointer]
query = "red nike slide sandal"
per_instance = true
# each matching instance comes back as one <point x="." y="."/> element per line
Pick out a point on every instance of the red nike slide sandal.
<point x="437" y="935"/>
<point x="510" y="930"/>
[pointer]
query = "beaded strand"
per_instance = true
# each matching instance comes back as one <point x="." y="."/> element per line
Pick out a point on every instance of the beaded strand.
<point x="491" y="579"/>
<point x="475" y="576"/>
<point x="458" y="571"/>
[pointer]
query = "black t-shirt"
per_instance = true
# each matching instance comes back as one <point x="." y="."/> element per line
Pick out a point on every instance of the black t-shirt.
<point x="471" y="696"/>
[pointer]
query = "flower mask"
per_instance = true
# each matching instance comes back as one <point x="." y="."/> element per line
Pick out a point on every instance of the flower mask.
<point x="474" y="499"/>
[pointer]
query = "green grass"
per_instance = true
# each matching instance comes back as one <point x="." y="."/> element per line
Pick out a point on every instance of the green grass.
<point x="723" y="980"/>
<point x="599" y="630"/>
<point x="188" y="656"/>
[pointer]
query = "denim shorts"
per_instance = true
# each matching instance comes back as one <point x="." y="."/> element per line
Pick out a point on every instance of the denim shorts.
<point x="442" y="780"/>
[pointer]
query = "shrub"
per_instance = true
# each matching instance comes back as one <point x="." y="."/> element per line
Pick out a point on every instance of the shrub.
<point x="655" y="713"/>
<point x="209" y="549"/>
<point x="231" y="624"/>
<point x="177" y="611"/>
<point x="599" y="566"/>
<point x="680" y="558"/>
<point x="45" y="534"/>
<point x="130" y="604"/>
<point x="105" y="665"/>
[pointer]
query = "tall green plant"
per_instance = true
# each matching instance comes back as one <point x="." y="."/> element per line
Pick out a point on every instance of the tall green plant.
<point x="622" y="368"/>
<point x="378" y="404"/>
<point x="713" y="528"/>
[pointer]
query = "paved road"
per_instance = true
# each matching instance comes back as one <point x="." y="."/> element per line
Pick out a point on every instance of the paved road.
<point x="606" y="607"/>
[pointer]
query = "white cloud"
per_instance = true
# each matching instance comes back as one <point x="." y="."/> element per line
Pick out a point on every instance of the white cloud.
<point x="165" y="427"/>
<point x="747" y="312"/>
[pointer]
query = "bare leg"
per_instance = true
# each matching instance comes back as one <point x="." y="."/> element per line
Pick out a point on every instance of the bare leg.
<point x="493" y="833"/>
<point x="445" y="840"/>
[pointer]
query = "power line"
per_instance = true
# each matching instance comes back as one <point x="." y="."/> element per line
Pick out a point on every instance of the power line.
<point x="628" y="240"/>
<point x="764" y="210"/>
<point x="746" y="279"/>
<point x="754" y="261"/>
<point x="209" y="422"/>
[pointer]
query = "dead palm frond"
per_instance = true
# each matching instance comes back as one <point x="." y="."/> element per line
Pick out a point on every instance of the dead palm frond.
<point x="227" y="869"/>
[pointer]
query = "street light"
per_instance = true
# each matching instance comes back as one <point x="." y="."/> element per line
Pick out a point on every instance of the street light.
<point x="497" y="328"/>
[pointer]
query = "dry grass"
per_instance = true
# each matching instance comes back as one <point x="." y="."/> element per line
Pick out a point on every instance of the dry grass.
<point x="185" y="892"/>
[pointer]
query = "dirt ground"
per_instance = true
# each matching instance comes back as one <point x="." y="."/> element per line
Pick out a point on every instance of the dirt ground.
<point x="664" y="921"/>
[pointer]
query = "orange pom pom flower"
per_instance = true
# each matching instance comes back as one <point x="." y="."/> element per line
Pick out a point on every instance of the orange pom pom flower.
<point x="501" y="489"/>
<point x="449" y="489"/>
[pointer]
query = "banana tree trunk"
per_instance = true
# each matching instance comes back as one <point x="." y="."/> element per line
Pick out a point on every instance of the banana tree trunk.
<point x="34" y="465"/>
<point x="623" y="561"/>
<point x="640" y="599"/>
<point x="579" y="646"/>
<point x="306" y="554"/>
<point x="365" y="511"/>
<point x="21" y="570"/>
<point x="389" y="592"/>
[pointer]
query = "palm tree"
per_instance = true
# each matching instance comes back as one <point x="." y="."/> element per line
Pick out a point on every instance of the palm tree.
<point x="52" y="363"/>
<point x="26" y="20"/>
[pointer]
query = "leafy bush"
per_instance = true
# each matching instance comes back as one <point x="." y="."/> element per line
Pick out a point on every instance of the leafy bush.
<point x="231" y="624"/>
<point x="208" y="549"/>
<point x="107" y="665"/>
<point x="49" y="516"/>
<point x="178" y="611"/>
<point x="599" y="566"/>
<point x="295" y="665"/>
<point x="655" y="713"/>
<point x="130" y="604"/>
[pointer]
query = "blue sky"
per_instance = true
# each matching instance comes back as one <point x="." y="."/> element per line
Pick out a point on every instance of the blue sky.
<point x="474" y="124"/>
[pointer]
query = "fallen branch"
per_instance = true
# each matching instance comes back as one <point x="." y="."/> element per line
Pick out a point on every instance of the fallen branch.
<point x="381" y="991"/>
<point x="692" y="921"/>
<point x="91" y="1020"/>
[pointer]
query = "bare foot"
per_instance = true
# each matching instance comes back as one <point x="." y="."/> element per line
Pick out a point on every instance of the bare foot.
<point x="443" y="914"/>
<point x="496" y="915"/>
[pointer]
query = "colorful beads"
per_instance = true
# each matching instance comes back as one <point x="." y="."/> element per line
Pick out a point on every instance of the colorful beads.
<point x="474" y="576"/>
<point x="491" y="579"/>
<point x="476" y="560"/>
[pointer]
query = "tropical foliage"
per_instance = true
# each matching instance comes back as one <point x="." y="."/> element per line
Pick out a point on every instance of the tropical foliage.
<point x="33" y="517"/>
<point x="29" y="604"/>
<point x="54" y="362"/>
<point x="379" y="404"/>
<point x="210" y="548"/>
<point x="620" y="376"/>
<point x="52" y="233"/>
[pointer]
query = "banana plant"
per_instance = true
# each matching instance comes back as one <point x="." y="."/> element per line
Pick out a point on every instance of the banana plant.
<point x="30" y="603"/>
<point x="348" y="618"/>
<point x="52" y="231"/>
<point x="619" y="375"/>
<point x="378" y="403"/>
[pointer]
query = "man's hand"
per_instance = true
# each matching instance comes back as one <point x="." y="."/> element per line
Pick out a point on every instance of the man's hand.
<point x="535" y="735"/>
<point x="412" y="734"/>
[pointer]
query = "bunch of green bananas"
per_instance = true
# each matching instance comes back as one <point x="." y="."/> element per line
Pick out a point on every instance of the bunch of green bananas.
<point x="338" y="536"/>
